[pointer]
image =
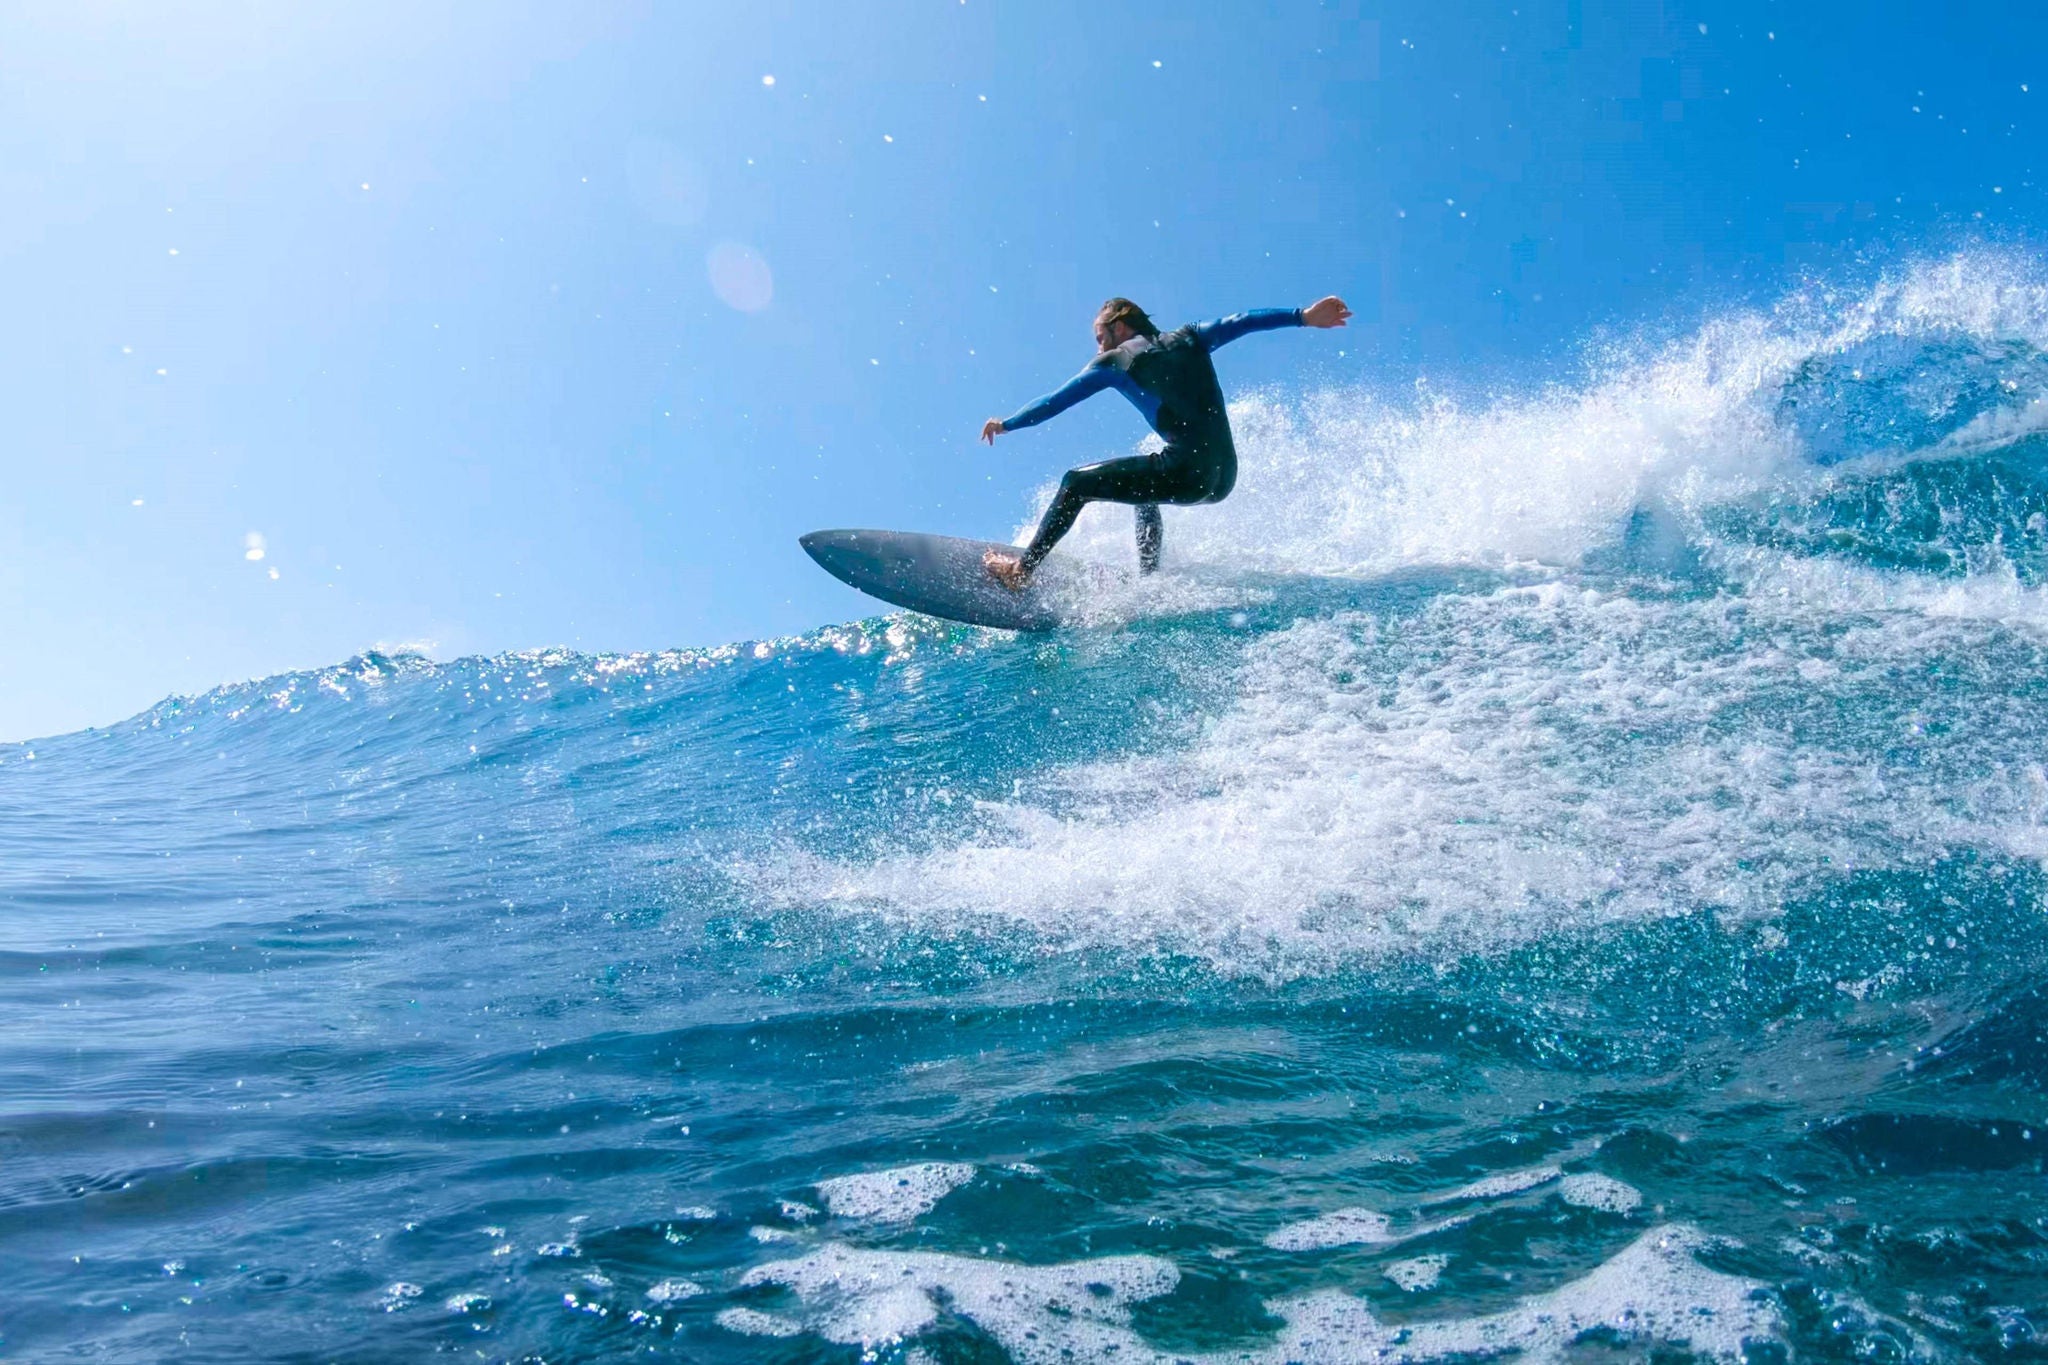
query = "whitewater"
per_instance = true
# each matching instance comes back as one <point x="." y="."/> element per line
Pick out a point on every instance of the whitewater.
<point x="1547" y="874"/>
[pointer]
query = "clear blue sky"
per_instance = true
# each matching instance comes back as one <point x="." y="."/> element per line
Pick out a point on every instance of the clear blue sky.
<point x="515" y="325"/>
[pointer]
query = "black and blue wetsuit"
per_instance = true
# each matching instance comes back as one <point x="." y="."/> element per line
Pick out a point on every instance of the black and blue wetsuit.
<point x="1168" y="378"/>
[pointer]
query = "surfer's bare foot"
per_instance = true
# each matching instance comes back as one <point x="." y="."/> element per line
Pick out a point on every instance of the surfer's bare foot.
<point x="1007" y="569"/>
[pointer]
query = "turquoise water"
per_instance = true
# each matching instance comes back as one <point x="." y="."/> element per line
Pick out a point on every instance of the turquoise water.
<point x="1553" y="875"/>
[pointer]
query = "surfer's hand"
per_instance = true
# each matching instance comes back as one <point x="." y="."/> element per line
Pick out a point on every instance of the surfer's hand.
<point x="991" y="429"/>
<point x="1329" y="312"/>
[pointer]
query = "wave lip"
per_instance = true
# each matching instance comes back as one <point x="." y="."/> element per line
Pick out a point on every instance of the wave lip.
<point x="1940" y="357"/>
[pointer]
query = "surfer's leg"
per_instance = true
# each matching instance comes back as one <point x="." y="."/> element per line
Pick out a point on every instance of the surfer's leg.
<point x="1057" y="521"/>
<point x="1135" y="478"/>
<point x="1151" y="535"/>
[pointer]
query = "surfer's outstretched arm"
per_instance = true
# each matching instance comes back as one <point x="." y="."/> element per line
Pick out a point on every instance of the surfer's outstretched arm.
<point x="1223" y="331"/>
<point x="1329" y="312"/>
<point x="1094" y="379"/>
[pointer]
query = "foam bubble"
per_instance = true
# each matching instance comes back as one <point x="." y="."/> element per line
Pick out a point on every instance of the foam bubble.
<point x="894" y="1196"/>
<point x="1601" y="1192"/>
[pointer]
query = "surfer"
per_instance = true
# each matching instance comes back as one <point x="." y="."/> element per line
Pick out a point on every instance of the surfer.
<point x="1168" y="378"/>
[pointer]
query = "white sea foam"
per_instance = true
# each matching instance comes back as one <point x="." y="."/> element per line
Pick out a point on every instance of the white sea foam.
<point x="674" y="1291"/>
<point x="2000" y="426"/>
<point x="1495" y="766"/>
<point x="1992" y="595"/>
<point x="1345" y="1227"/>
<point x="756" y="1324"/>
<point x="894" y="1196"/>
<point x="1417" y="1274"/>
<point x="1497" y="1186"/>
<point x="1356" y="1227"/>
<point x="1653" y="1291"/>
<point x="1101" y="595"/>
<point x="1079" y="1311"/>
<point x="1349" y="482"/>
<point x="1366" y="1227"/>
<point x="1592" y="1191"/>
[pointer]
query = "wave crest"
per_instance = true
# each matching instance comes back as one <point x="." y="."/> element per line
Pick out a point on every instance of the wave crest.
<point x="1943" y="356"/>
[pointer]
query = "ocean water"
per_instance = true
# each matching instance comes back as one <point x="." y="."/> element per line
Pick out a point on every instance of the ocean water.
<point x="1549" y="875"/>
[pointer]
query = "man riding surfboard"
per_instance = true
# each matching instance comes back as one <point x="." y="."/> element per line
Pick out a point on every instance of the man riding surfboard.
<point x="1171" y="381"/>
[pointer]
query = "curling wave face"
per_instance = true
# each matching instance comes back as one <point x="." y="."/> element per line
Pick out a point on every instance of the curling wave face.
<point x="1542" y="874"/>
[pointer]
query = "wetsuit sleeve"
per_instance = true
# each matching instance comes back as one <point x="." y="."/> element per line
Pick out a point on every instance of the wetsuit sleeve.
<point x="1226" y="330"/>
<point x="1094" y="379"/>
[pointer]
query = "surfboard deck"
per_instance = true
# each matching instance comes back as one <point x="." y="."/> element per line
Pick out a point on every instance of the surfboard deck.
<point x="941" y="576"/>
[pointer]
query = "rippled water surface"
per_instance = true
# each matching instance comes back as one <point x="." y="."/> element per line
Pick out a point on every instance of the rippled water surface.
<point x="1552" y="877"/>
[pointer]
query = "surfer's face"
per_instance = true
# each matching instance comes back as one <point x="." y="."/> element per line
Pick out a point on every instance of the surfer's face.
<point x="1109" y="335"/>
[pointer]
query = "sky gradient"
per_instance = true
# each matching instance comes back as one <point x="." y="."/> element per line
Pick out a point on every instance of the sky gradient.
<point x="507" y="326"/>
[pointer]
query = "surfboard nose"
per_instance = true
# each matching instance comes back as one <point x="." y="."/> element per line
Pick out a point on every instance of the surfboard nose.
<point x="869" y="560"/>
<point x="840" y="553"/>
<point x="819" y="545"/>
